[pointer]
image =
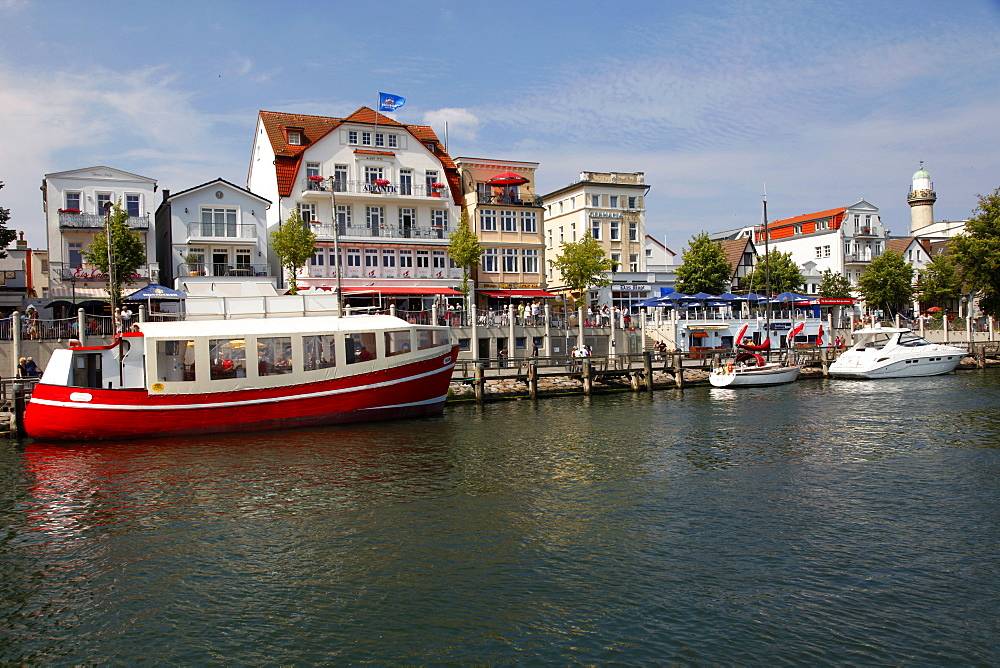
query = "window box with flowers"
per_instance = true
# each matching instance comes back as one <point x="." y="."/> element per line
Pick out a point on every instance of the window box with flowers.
<point x="436" y="189"/>
<point x="69" y="211"/>
<point x="381" y="183"/>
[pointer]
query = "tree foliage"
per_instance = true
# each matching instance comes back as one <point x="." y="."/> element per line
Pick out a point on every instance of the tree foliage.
<point x="704" y="269"/>
<point x="887" y="284"/>
<point x="785" y="275"/>
<point x="128" y="252"/>
<point x="939" y="282"/>
<point x="6" y="236"/>
<point x="464" y="248"/>
<point x="294" y="243"/>
<point x="834" y="285"/>
<point x="977" y="252"/>
<point x="582" y="264"/>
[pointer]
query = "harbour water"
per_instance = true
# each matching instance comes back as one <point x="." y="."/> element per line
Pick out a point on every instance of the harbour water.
<point x="822" y="522"/>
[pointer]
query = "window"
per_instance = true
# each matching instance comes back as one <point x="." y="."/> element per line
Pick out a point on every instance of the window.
<point x="371" y="257"/>
<point x="819" y="251"/>
<point x="529" y="221"/>
<point x="333" y="257"/>
<point x="274" y="356"/>
<point x="374" y="216"/>
<point x="380" y="139"/>
<point x="312" y="169"/>
<point x="175" y="360"/>
<point x="373" y="173"/>
<point x="352" y="136"/>
<point x="344" y="215"/>
<point x="595" y="200"/>
<point x="487" y="220"/>
<point x="432" y="338"/>
<point x="73" y="202"/>
<point x="318" y="256"/>
<point x="826" y="251"/>
<point x="510" y="260"/>
<point x="490" y="260"/>
<point x="219" y="222"/>
<point x="407" y="219"/>
<point x="393" y="141"/>
<point x="423" y="259"/>
<point x="132" y="205"/>
<point x="616" y="261"/>
<point x="561" y="235"/>
<point x="388" y="258"/>
<point x="508" y="221"/>
<point x="359" y="347"/>
<point x="340" y="178"/>
<point x="103" y="202"/>
<point x="75" y="254"/>
<point x="616" y="233"/>
<point x="633" y="231"/>
<point x="439" y="218"/>
<point x="318" y="351"/>
<point x="307" y="211"/>
<point x="633" y="262"/>
<point x="595" y="228"/>
<point x="397" y="342"/>
<point x="366" y="139"/>
<point x="439" y="260"/>
<point x="353" y="257"/>
<point x="294" y="138"/>
<point x="405" y="180"/>
<point x="614" y="201"/>
<point x="430" y="176"/>
<point x="227" y="358"/>
<point x="632" y="202"/>
<point x="405" y="258"/>
<point x="529" y="260"/>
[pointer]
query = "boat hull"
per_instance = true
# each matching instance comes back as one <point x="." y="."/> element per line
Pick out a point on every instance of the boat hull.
<point x="70" y="413"/>
<point x="753" y="376"/>
<point x="912" y="367"/>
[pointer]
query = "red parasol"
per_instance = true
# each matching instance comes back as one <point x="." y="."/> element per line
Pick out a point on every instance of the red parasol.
<point x="507" y="179"/>
<point x="934" y="309"/>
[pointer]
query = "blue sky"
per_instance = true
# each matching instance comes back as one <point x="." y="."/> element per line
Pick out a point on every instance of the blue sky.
<point x="828" y="102"/>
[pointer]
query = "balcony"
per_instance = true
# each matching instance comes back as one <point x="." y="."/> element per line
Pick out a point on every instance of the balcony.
<point x="860" y="257"/>
<point x="864" y="232"/>
<point x="220" y="231"/>
<point x="313" y="188"/>
<point x="94" y="221"/>
<point x="524" y="199"/>
<point x="383" y="231"/>
<point x="215" y="269"/>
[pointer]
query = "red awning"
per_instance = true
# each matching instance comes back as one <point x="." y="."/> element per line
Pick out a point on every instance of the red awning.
<point x="524" y="293"/>
<point x="399" y="290"/>
<point x="831" y="301"/>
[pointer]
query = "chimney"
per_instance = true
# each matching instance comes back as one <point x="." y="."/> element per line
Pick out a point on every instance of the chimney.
<point x="166" y="194"/>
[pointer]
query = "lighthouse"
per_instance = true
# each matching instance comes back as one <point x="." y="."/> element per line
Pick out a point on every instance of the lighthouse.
<point x="921" y="200"/>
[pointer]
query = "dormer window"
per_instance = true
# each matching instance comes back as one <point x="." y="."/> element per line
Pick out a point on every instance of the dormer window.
<point x="294" y="138"/>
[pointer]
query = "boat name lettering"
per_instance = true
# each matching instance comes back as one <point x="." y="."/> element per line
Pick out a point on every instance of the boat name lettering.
<point x="81" y="396"/>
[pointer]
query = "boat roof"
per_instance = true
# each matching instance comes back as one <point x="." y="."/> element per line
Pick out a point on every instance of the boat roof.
<point x="272" y="326"/>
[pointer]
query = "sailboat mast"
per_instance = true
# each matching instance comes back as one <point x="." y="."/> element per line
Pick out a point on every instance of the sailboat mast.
<point x="767" y="271"/>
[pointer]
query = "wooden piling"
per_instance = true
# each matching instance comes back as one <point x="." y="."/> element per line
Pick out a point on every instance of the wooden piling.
<point x="647" y="369"/>
<point x="588" y="377"/>
<point x="532" y="380"/>
<point x="479" y="383"/>
<point x="679" y="370"/>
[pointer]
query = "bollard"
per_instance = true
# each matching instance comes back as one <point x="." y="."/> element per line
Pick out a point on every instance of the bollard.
<point x="533" y="380"/>
<point x="679" y="370"/>
<point x="647" y="368"/>
<point x="479" y="384"/>
<point x="588" y="379"/>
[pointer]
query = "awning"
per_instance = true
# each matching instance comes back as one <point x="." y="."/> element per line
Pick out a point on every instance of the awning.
<point x="698" y="335"/>
<point x="80" y="293"/>
<point x="709" y="328"/>
<point x="522" y="293"/>
<point x="397" y="290"/>
<point x="831" y="301"/>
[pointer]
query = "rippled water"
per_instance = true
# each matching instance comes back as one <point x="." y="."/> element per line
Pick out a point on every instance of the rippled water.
<point x="821" y="522"/>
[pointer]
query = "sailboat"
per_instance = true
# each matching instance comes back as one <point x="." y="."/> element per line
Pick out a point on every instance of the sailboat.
<point x="749" y="367"/>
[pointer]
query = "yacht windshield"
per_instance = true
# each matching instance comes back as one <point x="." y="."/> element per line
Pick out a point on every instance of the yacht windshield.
<point x="910" y="339"/>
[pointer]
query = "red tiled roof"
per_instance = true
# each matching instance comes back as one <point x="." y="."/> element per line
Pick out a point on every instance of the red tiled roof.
<point x="829" y="213"/>
<point x="288" y="158"/>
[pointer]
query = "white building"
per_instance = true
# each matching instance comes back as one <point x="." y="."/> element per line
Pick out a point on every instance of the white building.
<point x="216" y="229"/>
<point x="658" y="256"/>
<point x="74" y="203"/>
<point x="391" y="189"/>
<point x="609" y="205"/>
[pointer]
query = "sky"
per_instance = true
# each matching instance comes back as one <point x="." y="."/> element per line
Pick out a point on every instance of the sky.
<point x="826" y="103"/>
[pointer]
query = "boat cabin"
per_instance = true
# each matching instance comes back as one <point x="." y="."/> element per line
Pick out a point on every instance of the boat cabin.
<point x="190" y="357"/>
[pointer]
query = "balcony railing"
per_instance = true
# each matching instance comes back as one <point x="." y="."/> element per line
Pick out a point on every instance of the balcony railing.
<point x="864" y="232"/>
<point x="860" y="257"/>
<point x="385" y="231"/>
<point x="366" y="188"/>
<point x="505" y="200"/>
<point x="221" y="231"/>
<point x="97" y="221"/>
<point x="217" y="269"/>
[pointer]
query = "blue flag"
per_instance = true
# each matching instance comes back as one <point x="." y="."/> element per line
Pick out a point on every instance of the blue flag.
<point x="389" y="102"/>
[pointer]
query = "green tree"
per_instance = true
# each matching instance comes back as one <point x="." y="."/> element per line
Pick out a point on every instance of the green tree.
<point x="834" y="285"/>
<point x="785" y="275"/>
<point x="977" y="252"/>
<point x="6" y="236"/>
<point x="939" y="282"/>
<point x="887" y="284"/>
<point x="582" y="264"/>
<point x="704" y="269"/>
<point x="294" y="243"/>
<point x="127" y="254"/>
<point x="464" y="248"/>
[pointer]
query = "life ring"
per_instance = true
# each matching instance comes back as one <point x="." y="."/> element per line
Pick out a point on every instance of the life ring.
<point x="729" y="368"/>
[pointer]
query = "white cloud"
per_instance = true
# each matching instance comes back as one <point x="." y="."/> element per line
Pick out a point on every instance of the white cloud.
<point x="461" y="123"/>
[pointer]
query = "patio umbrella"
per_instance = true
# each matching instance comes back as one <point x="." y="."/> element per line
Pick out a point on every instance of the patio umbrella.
<point x="786" y="297"/>
<point x="934" y="309"/>
<point x="154" y="292"/>
<point x="754" y="297"/>
<point x="729" y="297"/>
<point x="701" y="296"/>
<point x="674" y="296"/>
<point x="507" y="179"/>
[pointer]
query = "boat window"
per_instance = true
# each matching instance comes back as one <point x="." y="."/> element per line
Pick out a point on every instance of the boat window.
<point x="359" y="347"/>
<point x="911" y="340"/>
<point x="432" y="338"/>
<point x="87" y="370"/>
<point x="274" y="356"/>
<point x="878" y="341"/>
<point x="175" y="360"/>
<point x="318" y="351"/>
<point x="397" y="342"/>
<point x="228" y="358"/>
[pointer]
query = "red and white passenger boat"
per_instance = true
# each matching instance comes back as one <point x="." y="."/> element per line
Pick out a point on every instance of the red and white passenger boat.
<point x="210" y="376"/>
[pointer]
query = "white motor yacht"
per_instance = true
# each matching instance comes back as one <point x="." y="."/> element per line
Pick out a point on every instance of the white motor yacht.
<point x="891" y="352"/>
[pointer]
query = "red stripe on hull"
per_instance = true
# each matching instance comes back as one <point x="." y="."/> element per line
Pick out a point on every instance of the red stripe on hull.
<point x="282" y="407"/>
